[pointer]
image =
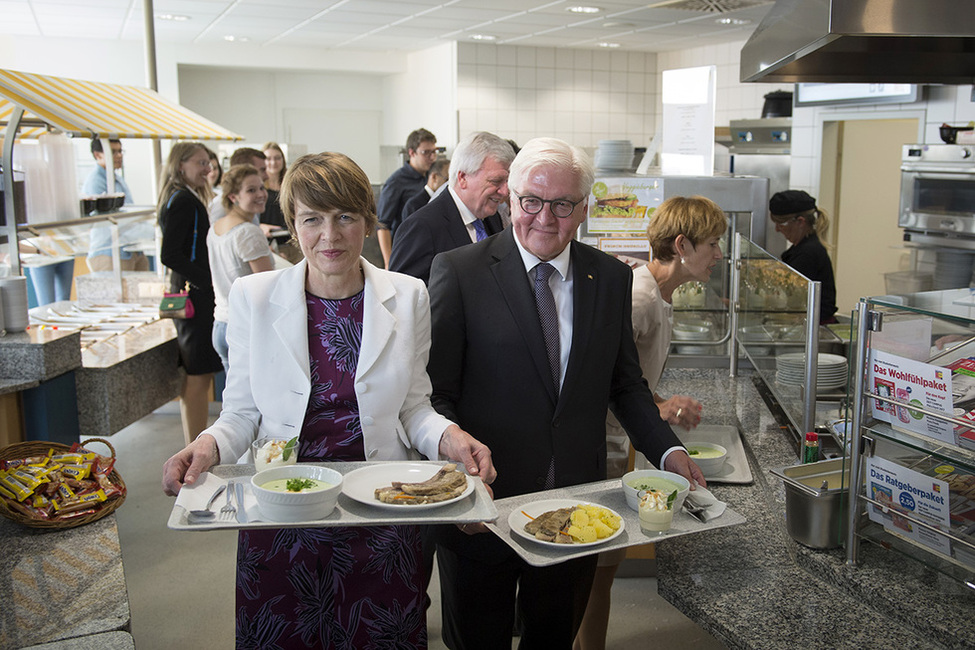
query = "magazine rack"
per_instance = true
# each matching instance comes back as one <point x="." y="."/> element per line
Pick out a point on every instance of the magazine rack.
<point x="913" y="441"/>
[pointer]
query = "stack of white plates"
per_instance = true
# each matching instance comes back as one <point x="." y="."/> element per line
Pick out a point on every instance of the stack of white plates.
<point x="14" y="296"/>
<point x="614" y="155"/>
<point x="790" y="369"/>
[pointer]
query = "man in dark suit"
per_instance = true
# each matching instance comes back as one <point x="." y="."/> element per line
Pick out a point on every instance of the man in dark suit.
<point x="436" y="177"/>
<point x="528" y="363"/>
<point x="466" y="212"/>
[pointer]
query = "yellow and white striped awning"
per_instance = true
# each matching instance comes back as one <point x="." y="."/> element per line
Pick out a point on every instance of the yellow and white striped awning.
<point x="91" y="108"/>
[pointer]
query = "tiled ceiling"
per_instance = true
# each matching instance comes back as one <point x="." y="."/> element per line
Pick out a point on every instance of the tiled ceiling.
<point x="404" y="26"/>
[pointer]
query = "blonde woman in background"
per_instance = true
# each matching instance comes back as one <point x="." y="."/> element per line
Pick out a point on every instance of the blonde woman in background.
<point x="799" y="220"/>
<point x="684" y="237"/>
<point x="236" y="245"/>
<point x="183" y="196"/>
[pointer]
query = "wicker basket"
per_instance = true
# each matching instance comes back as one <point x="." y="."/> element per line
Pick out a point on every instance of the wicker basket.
<point x="40" y="448"/>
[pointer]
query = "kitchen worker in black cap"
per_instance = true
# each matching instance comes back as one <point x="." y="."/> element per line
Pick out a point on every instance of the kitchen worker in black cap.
<point x="796" y="216"/>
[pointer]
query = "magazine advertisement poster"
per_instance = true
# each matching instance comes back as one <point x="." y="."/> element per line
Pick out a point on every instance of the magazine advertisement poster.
<point x="912" y="382"/>
<point x="902" y="492"/>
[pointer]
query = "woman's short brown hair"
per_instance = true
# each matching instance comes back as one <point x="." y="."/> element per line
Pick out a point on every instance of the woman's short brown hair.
<point x="696" y="217"/>
<point x="327" y="181"/>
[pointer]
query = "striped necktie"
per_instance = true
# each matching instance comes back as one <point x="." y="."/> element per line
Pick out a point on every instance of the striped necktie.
<point x="549" y="318"/>
<point x="480" y="230"/>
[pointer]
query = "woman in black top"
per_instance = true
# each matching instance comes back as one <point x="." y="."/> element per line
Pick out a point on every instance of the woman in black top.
<point x="796" y="216"/>
<point x="183" y="197"/>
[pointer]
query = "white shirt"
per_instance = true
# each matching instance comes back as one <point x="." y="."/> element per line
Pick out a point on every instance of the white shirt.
<point x="465" y="214"/>
<point x="561" y="285"/>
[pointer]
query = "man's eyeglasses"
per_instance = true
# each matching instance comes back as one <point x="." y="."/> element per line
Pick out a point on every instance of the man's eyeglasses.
<point x="427" y="152"/>
<point x="561" y="208"/>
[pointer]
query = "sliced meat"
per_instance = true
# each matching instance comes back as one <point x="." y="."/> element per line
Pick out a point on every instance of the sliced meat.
<point x="445" y="480"/>
<point x="548" y="526"/>
<point x="446" y="484"/>
<point x="397" y="496"/>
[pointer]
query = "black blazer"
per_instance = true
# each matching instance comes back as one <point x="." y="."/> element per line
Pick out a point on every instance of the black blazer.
<point x="491" y="376"/>
<point x="415" y="202"/>
<point x="433" y="229"/>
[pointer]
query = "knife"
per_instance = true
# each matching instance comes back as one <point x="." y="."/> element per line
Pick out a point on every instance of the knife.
<point x="239" y="494"/>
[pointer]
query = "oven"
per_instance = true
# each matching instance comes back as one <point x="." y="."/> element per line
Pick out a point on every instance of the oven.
<point x="937" y="202"/>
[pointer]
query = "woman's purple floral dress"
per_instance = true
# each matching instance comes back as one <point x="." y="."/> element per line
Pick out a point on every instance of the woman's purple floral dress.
<point x="355" y="587"/>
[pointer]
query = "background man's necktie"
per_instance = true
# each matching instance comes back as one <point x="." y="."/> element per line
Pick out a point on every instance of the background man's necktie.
<point x="480" y="230"/>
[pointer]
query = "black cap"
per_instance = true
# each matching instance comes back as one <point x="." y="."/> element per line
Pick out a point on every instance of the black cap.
<point x="791" y="202"/>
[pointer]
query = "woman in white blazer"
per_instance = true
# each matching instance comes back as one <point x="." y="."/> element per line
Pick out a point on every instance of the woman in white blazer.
<point x="334" y="351"/>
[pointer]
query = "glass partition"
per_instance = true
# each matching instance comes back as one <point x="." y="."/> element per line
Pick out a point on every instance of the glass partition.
<point x="776" y="335"/>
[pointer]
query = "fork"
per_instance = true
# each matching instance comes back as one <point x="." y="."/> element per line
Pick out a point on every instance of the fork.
<point x="695" y="511"/>
<point x="228" y="511"/>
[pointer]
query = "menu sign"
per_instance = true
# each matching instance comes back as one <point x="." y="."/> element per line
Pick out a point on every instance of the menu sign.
<point x="902" y="491"/>
<point x="623" y="205"/>
<point x="913" y="382"/>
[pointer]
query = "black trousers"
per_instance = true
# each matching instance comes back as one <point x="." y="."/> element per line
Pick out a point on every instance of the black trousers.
<point x="478" y="600"/>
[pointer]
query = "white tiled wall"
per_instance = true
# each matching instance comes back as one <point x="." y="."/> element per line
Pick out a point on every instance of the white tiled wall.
<point x="583" y="96"/>
<point x="734" y="100"/>
<point x="580" y="96"/>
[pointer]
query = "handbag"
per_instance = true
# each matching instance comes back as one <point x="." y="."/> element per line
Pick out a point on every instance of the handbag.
<point x="176" y="305"/>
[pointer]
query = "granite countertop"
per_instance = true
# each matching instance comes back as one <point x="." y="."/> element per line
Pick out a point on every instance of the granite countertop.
<point x="119" y="348"/>
<point x="752" y="586"/>
<point x="63" y="588"/>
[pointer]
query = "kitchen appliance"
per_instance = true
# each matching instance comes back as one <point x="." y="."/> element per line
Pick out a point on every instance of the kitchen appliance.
<point x="778" y="103"/>
<point x="937" y="202"/>
<point x="862" y="41"/>
<point x="937" y="208"/>
<point x="763" y="148"/>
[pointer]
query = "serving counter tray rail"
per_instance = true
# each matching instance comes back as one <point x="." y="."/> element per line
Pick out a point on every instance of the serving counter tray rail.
<point x="478" y="507"/>
<point x="604" y="493"/>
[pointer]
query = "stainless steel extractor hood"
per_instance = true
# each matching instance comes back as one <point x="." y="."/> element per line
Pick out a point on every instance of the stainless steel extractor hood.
<point x="863" y="41"/>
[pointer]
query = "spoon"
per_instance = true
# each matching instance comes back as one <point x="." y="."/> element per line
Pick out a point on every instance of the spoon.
<point x="202" y="515"/>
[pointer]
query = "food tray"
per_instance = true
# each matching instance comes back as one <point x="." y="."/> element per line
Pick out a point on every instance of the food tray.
<point x="604" y="493"/>
<point x="477" y="507"/>
<point x="735" y="468"/>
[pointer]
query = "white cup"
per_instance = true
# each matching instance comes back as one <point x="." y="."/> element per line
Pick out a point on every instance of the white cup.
<point x="14" y="299"/>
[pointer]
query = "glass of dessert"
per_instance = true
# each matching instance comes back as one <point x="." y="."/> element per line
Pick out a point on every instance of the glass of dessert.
<point x="274" y="452"/>
<point x="656" y="511"/>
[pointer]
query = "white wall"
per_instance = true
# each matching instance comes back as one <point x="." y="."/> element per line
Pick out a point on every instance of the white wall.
<point x="423" y="95"/>
<point x="581" y="96"/>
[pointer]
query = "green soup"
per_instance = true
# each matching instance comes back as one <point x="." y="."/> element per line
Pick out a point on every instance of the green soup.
<point x="703" y="452"/>
<point x="281" y="485"/>
<point x="654" y="483"/>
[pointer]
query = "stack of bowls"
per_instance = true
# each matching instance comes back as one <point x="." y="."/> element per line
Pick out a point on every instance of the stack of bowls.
<point x="13" y="293"/>
<point x="614" y="155"/>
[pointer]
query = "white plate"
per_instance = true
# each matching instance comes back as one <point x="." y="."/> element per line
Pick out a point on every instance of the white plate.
<point x="360" y="484"/>
<point x="517" y="520"/>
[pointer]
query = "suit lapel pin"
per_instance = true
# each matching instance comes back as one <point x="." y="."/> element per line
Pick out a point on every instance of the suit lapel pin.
<point x="589" y="275"/>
